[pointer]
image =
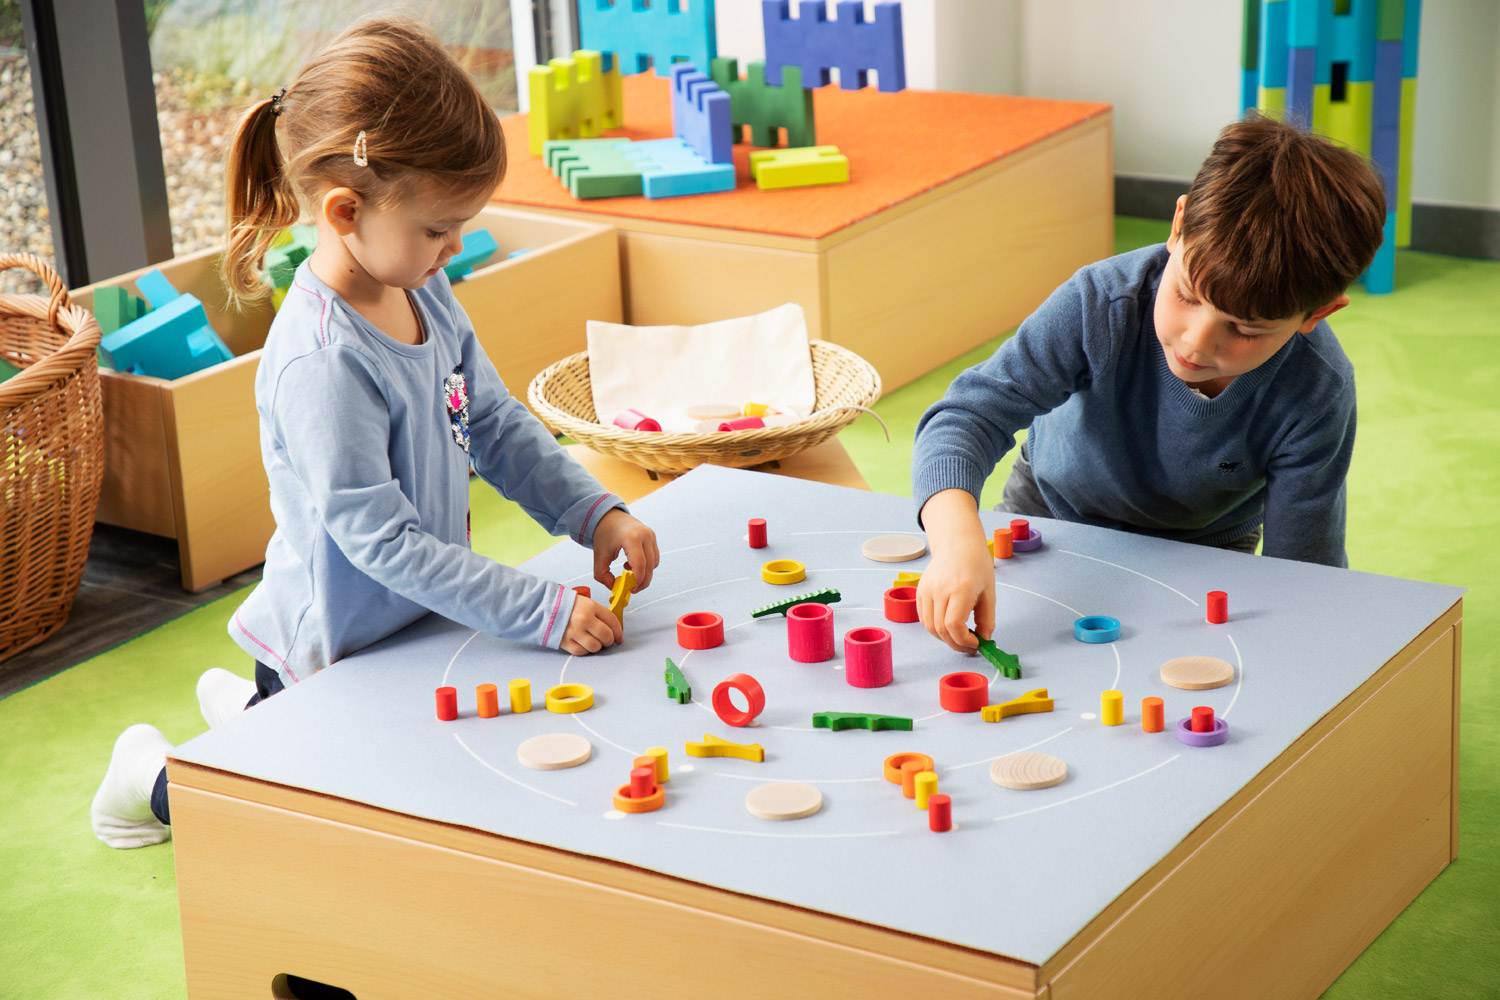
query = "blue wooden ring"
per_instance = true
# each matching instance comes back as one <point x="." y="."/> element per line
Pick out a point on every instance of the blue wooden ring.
<point x="1096" y="628"/>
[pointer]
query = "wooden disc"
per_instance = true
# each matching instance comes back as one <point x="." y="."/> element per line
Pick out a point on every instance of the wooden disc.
<point x="554" y="751"/>
<point x="1027" y="772"/>
<point x="712" y="411"/>
<point x="1197" y="673"/>
<point x="894" y="548"/>
<point x="784" y="800"/>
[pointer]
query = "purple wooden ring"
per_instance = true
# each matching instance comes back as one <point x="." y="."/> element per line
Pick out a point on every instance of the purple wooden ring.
<point x="1028" y="544"/>
<point x="1186" y="735"/>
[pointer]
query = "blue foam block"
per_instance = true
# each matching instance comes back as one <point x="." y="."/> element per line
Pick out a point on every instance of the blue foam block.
<point x="155" y="288"/>
<point x="1273" y="47"/>
<point x="1388" y="85"/>
<point x="701" y="114"/>
<point x="479" y="246"/>
<point x="1300" y="71"/>
<point x="670" y="168"/>
<point x="1385" y="153"/>
<point x="850" y="44"/>
<point x="661" y="34"/>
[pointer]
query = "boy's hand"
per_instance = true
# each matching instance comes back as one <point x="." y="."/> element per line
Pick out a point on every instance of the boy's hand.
<point x="618" y="531"/>
<point x="961" y="576"/>
<point x="591" y="627"/>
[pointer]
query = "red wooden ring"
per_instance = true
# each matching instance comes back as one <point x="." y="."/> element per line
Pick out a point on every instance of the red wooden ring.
<point x="745" y="685"/>
<point x="635" y="420"/>
<point x="963" y="692"/>
<point x="700" y="630"/>
<point x="901" y="604"/>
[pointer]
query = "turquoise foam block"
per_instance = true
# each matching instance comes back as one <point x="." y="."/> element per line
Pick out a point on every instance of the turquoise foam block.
<point x="670" y="168"/>
<point x="1380" y="276"/>
<point x="155" y="288"/>
<point x="661" y="33"/>
<point x="479" y="246"/>
<point x="1273" y="47"/>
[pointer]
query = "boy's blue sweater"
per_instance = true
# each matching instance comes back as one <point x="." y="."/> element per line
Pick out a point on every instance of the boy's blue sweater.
<point x="1117" y="440"/>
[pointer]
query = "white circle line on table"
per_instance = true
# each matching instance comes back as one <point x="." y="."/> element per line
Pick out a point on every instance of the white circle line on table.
<point x="1008" y="753"/>
<point x="626" y="750"/>
<point x="1095" y="791"/>
<point x="690" y="590"/>
<point x="1069" y="608"/>
<point x="1129" y="570"/>
<point x="792" y="836"/>
<point x="588" y="574"/>
<point x="471" y="753"/>
<point x="1118" y="667"/>
<point x="1239" y="680"/>
<point x="805" y="781"/>
<point x="454" y="659"/>
<point x="846" y="531"/>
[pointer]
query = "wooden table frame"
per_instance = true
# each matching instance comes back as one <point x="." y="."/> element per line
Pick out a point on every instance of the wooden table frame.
<point x="1272" y="896"/>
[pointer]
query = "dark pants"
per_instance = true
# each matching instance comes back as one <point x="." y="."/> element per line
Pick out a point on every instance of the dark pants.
<point x="267" y="683"/>
<point x="1022" y="497"/>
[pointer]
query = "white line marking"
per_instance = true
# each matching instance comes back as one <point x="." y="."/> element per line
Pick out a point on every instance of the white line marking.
<point x="508" y="777"/>
<point x="1084" y="795"/>
<point x="690" y="590"/>
<point x="1118" y="667"/>
<point x="1241" y="681"/>
<point x="872" y="532"/>
<point x="628" y="752"/>
<point x="454" y="660"/>
<point x="1008" y="753"/>
<point x="1129" y="570"/>
<point x="790" y="836"/>
<point x="1044" y="597"/>
<point x="806" y="781"/>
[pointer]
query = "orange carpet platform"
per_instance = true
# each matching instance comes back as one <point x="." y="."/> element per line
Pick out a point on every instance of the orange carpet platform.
<point x="962" y="212"/>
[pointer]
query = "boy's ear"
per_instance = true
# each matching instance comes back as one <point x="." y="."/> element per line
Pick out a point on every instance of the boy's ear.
<point x="1177" y="223"/>
<point x="1323" y="312"/>
<point x="340" y="207"/>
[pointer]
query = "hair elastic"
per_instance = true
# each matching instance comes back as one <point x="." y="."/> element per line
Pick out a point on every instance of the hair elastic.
<point x="276" y="99"/>
<point x="361" y="151"/>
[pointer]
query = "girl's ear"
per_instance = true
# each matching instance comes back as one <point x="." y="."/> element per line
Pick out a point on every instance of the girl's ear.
<point x="340" y="209"/>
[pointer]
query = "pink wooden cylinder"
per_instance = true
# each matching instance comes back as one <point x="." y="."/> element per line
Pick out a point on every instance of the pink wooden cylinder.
<point x="809" y="632"/>
<point x="867" y="657"/>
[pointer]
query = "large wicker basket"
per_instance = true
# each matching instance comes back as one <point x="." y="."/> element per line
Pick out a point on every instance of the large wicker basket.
<point x="51" y="458"/>
<point x="843" y="381"/>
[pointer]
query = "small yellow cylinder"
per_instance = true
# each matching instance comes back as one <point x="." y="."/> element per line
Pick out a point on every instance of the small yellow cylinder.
<point x="926" y="785"/>
<point x="520" y="695"/>
<point x="1112" y="708"/>
<point x="659" y="754"/>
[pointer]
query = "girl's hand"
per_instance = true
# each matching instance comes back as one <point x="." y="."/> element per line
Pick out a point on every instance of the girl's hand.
<point x="591" y="627"/>
<point x="960" y="579"/>
<point x="618" y="531"/>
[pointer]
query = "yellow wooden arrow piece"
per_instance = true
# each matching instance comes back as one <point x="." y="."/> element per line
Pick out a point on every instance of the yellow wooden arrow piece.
<point x="619" y="594"/>
<point x="712" y="746"/>
<point x="1031" y="701"/>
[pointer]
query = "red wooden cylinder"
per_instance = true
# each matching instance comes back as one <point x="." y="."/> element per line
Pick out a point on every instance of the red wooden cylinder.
<point x="1203" y="719"/>
<point x="1218" y="607"/>
<point x="742" y="424"/>
<point x="939" y="813"/>
<point x="901" y="604"/>
<point x="867" y="657"/>
<point x="809" y="632"/>
<point x="700" y="630"/>
<point x="642" y="781"/>
<point x="447" y="703"/>
<point x="1020" y="529"/>
<point x="963" y="692"/>
<point x="635" y="420"/>
<point x="757" y="532"/>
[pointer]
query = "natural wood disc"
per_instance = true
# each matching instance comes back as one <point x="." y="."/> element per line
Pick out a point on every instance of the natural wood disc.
<point x="784" y="800"/>
<point x="554" y="751"/>
<point x="1027" y="772"/>
<point x="894" y="548"/>
<point x="1197" y="673"/>
<point x="713" y="411"/>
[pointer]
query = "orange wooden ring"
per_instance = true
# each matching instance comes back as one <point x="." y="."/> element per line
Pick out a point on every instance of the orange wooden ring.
<point x="894" y="761"/>
<point x="650" y="803"/>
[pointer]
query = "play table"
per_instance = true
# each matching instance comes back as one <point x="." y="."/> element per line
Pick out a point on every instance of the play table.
<point x="961" y="214"/>
<point x="342" y="833"/>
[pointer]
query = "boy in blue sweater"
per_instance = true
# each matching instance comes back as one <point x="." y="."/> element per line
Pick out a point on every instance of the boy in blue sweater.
<point x="1190" y="390"/>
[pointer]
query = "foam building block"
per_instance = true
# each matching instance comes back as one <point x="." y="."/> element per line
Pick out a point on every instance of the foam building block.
<point x="632" y="35"/>
<point x="156" y="289"/>
<point x="168" y="342"/>
<point x="850" y="44"/>
<point x="764" y="109"/>
<point x="670" y="168"/>
<point x="593" y="168"/>
<point x="114" y="307"/>
<point x="479" y="246"/>
<point x="573" y="99"/>
<point x="289" y="249"/>
<point x="806" y="167"/>
<point x="701" y="114"/>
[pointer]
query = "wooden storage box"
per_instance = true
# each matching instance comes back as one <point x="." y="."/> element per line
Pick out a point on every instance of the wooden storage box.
<point x="182" y="457"/>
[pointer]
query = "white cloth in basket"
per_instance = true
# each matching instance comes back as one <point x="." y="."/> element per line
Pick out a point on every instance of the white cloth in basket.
<point x="662" y="371"/>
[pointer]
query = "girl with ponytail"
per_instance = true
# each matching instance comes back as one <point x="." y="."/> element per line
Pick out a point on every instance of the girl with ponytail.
<point x="374" y="396"/>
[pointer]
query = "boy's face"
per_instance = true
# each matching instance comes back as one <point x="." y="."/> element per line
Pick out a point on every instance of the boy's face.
<point x="1207" y="348"/>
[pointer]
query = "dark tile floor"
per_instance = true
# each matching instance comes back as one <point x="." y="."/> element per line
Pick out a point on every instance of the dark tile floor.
<point x="131" y="584"/>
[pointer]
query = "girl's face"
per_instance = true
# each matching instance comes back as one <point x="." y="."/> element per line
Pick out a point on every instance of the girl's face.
<point x="404" y="243"/>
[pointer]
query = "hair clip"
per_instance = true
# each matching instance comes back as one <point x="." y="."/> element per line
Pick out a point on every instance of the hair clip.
<point x="361" y="151"/>
<point x="276" y="99"/>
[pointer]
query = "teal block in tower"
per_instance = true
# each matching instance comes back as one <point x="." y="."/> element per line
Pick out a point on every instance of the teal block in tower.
<point x="1380" y="276"/>
<point x="632" y="35"/>
<point x="1273" y="47"/>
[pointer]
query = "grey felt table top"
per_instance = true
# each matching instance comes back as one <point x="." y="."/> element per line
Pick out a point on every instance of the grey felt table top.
<point x="1023" y="871"/>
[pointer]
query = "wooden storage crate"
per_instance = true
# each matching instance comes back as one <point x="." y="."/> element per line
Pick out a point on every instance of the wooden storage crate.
<point x="182" y="457"/>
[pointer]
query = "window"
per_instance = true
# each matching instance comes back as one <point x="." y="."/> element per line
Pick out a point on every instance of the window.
<point x="25" y="226"/>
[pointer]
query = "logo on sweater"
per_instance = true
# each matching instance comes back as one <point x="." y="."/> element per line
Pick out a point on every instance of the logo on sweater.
<point x="456" y="394"/>
<point x="1227" y="468"/>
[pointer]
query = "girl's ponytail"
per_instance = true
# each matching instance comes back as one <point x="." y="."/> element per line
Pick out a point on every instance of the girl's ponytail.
<point x="261" y="199"/>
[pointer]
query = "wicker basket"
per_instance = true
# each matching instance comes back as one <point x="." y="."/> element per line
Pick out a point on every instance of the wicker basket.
<point x="51" y="458"/>
<point x="842" y="381"/>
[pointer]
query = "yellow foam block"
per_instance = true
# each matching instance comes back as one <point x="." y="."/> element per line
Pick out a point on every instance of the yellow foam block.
<point x="573" y="99"/>
<point x="803" y="166"/>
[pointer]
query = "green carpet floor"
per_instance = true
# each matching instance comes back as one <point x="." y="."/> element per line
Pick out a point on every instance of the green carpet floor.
<point x="80" y="920"/>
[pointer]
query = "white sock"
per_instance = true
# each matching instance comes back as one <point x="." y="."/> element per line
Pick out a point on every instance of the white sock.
<point x="121" y="812"/>
<point x="222" y="695"/>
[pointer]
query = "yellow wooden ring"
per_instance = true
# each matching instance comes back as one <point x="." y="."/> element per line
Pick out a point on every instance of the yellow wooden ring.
<point x="567" y="698"/>
<point x="783" y="571"/>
